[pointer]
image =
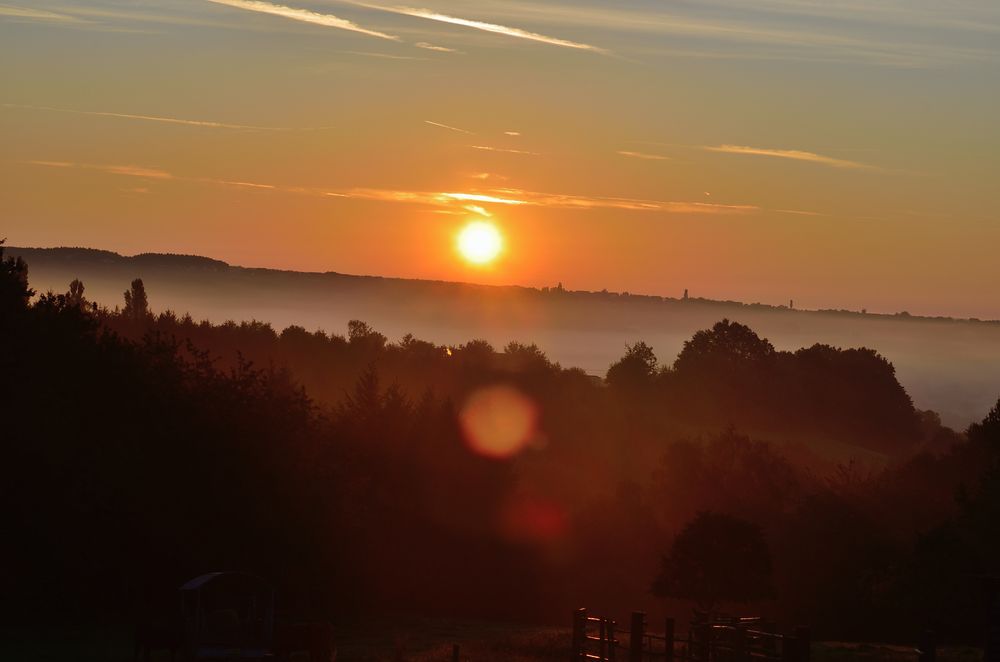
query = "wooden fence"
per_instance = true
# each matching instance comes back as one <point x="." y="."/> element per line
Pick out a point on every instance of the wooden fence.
<point x="708" y="639"/>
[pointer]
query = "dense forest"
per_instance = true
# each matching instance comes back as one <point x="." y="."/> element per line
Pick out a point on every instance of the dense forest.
<point x="365" y="477"/>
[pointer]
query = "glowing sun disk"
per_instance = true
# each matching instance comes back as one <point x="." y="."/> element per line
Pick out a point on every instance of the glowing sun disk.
<point x="480" y="242"/>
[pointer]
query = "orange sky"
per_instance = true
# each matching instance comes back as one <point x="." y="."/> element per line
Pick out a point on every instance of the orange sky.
<point x="840" y="155"/>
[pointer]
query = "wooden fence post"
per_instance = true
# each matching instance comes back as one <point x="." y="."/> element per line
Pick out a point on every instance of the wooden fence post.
<point x="739" y="644"/>
<point x="789" y="648"/>
<point x="668" y="639"/>
<point x="704" y="649"/>
<point x="928" y="647"/>
<point x="579" y="632"/>
<point x="637" y="636"/>
<point x="456" y="653"/>
<point x="611" y="639"/>
<point x="804" y="643"/>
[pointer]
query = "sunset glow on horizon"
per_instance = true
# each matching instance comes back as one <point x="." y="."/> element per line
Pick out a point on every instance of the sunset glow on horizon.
<point x="717" y="147"/>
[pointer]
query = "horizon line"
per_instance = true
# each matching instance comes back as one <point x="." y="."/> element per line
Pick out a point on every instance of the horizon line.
<point x="546" y="289"/>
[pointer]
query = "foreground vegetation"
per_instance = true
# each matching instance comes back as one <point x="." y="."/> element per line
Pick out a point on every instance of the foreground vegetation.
<point x="142" y="449"/>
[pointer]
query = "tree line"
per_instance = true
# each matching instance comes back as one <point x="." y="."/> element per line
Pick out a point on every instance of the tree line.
<point x="142" y="448"/>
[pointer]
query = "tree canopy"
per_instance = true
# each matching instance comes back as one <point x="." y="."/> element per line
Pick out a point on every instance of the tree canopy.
<point x="716" y="558"/>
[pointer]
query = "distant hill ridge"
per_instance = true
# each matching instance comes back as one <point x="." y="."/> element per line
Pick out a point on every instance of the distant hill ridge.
<point x="91" y="255"/>
<point x="95" y="256"/>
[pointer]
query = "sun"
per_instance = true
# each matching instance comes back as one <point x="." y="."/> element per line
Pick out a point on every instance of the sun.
<point x="480" y="242"/>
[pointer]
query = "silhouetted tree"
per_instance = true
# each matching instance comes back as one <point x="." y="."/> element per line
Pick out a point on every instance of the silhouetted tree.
<point x="635" y="370"/>
<point x="522" y="358"/>
<point x="728" y="472"/>
<point x="716" y="558"/>
<point x="987" y="431"/>
<point x="136" y="303"/>
<point x="850" y="392"/>
<point x="362" y="407"/>
<point x="75" y="295"/>
<point x="367" y="340"/>
<point x="729" y="374"/>
<point x="726" y="346"/>
<point x="14" y="290"/>
<point x="476" y="355"/>
<point x="834" y="558"/>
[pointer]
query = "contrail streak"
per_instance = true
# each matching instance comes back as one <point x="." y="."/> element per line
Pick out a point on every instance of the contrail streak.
<point x="151" y="118"/>
<point x="793" y="154"/>
<point x="486" y="27"/>
<point x="450" y="128"/>
<point x="304" y="15"/>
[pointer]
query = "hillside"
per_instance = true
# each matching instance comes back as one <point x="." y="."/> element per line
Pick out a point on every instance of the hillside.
<point x="949" y="365"/>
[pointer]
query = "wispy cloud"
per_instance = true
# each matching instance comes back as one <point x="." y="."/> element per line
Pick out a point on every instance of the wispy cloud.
<point x="477" y="210"/>
<point x="227" y="182"/>
<point x="450" y="128"/>
<point x="570" y="201"/>
<point x="762" y="36"/>
<point x="153" y="118"/>
<point x="486" y="27"/>
<point x="31" y="14"/>
<point x="434" y="47"/>
<point x="480" y="197"/>
<point x="799" y="212"/>
<point x="642" y="155"/>
<point x="512" y="133"/>
<point x="887" y="13"/>
<point x="144" y="172"/>
<point x="383" y="56"/>
<point x="126" y="170"/>
<point x="483" y="176"/>
<point x="474" y="201"/>
<point x="793" y="154"/>
<point x="487" y="148"/>
<point x="519" y="197"/>
<point x="304" y="15"/>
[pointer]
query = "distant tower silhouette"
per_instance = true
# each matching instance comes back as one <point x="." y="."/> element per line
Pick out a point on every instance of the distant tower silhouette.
<point x="685" y="293"/>
<point x="791" y="304"/>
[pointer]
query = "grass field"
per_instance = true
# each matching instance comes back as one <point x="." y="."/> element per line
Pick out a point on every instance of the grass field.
<point x="434" y="640"/>
<point x="413" y="641"/>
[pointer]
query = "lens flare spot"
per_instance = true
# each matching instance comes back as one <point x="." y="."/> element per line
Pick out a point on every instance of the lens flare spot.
<point x="530" y="519"/>
<point x="498" y="421"/>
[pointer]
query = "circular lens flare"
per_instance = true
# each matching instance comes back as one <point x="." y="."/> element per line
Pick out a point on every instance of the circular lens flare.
<point x="498" y="421"/>
<point x="480" y="242"/>
<point x="529" y="519"/>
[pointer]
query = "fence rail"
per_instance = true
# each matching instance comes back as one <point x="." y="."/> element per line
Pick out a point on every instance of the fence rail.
<point x="721" y="640"/>
<point x="708" y="639"/>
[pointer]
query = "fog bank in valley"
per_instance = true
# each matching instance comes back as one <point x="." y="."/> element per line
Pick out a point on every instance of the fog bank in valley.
<point x="950" y="366"/>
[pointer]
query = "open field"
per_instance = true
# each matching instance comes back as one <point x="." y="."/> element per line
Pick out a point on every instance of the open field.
<point x="833" y="651"/>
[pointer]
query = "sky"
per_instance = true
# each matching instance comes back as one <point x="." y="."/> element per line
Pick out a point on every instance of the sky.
<point x="842" y="154"/>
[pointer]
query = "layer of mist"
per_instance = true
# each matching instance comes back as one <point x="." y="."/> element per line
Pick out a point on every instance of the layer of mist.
<point x="947" y="365"/>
